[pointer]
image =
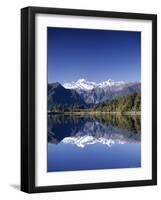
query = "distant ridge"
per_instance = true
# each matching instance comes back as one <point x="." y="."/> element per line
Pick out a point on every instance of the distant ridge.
<point x="94" y="93"/>
<point x="89" y="85"/>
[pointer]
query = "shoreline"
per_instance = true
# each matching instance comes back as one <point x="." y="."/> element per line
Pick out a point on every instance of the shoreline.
<point x="95" y="113"/>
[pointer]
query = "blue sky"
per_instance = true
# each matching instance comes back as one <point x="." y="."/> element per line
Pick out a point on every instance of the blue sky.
<point x="96" y="55"/>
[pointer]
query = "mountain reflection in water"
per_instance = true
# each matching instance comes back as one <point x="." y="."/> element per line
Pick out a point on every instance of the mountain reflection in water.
<point x="73" y="141"/>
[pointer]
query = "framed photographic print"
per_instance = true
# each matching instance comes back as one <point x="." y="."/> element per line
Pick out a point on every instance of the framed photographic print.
<point x="88" y="99"/>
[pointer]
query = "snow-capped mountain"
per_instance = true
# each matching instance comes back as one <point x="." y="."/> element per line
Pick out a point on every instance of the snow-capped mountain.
<point x="110" y="83"/>
<point x="83" y="84"/>
<point x="94" y="93"/>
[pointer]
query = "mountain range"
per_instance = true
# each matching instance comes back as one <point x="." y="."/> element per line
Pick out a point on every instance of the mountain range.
<point x="82" y="84"/>
<point x="94" y="93"/>
<point x="59" y="96"/>
<point x="86" y="93"/>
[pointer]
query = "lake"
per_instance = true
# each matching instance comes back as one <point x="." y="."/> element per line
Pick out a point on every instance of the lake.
<point x="90" y="142"/>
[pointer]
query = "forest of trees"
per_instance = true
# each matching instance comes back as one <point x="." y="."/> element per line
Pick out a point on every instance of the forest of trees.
<point x="67" y="108"/>
<point x="131" y="103"/>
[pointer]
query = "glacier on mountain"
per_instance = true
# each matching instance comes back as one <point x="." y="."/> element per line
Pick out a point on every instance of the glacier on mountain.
<point x="83" y="84"/>
<point x="94" y="93"/>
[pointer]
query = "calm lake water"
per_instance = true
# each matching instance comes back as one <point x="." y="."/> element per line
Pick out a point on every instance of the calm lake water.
<point x="88" y="142"/>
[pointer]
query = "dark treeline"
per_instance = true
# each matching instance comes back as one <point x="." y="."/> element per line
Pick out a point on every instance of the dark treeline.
<point x="131" y="103"/>
<point x="67" y="108"/>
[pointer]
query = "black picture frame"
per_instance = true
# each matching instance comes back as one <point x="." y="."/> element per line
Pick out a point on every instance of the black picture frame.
<point x="28" y="98"/>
